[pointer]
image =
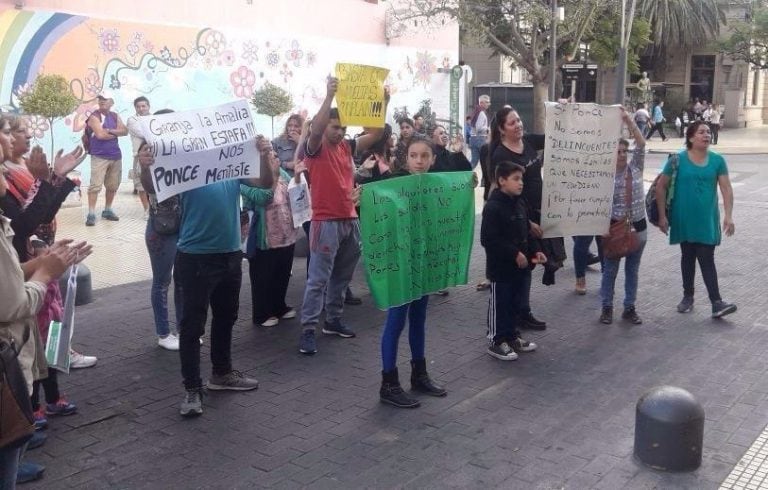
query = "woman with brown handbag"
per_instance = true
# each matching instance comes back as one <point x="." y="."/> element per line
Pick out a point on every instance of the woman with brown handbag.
<point x="628" y="203"/>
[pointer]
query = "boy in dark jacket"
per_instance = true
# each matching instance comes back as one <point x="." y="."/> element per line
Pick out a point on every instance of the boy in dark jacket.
<point x="505" y="234"/>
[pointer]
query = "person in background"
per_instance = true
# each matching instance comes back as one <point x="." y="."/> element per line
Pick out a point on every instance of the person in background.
<point x="270" y="246"/>
<point x="694" y="219"/>
<point x="480" y="128"/>
<point x="104" y="127"/>
<point x="628" y="179"/>
<point x="161" y="248"/>
<point x="418" y="125"/>
<point x="713" y="118"/>
<point x="642" y="117"/>
<point x="445" y="160"/>
<point x="658" y="121"/>
<point x="406" y="133"/>
<point x="141" y="105"/>
<point x="285" y="144"/>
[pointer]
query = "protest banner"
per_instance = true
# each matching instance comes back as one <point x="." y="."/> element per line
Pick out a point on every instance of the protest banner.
<point x="417" y="234"/>
<point x="360" y="96"/>
<point x="579" y="165"/>
<point x="200" y="147"/>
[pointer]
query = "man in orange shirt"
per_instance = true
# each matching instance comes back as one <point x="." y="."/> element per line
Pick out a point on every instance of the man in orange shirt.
<point x="334" y="236"/>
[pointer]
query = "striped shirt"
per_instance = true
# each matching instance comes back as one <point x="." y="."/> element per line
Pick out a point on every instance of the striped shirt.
<point x="637" y="207"/>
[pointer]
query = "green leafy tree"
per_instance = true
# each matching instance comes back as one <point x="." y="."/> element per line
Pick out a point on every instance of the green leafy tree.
<point x="604" y="43"/>
<point x="748" y="41"/>
<point x="520" y="29"/>
<point x="51" y="98"/>
<point x="271" y="100"/>
<point x="680" y="25"/>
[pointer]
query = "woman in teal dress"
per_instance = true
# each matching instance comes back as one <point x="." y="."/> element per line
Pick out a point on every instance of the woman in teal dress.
<point x="694" y="217"/>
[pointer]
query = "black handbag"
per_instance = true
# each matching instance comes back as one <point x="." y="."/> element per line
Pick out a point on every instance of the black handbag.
<point x="17" y="422"/>
<point x="166" y="216"/>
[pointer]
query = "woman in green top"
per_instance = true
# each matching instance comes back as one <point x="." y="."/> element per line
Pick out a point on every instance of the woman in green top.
<point x="694" y="220"/>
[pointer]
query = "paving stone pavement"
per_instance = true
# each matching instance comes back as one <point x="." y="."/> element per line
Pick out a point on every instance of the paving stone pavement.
<point x="562" y="417"/>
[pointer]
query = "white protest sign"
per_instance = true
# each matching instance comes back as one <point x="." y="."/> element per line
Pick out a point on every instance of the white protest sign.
<point x="200" y="147"/>
<point x="579" y="166"/>
<point x="301" y="206"/>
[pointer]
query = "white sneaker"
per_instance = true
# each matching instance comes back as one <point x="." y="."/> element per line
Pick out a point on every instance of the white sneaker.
<point x="270" y="322"/>
<point x="79" y="361"/>
<point x="169" y="342"/>
<point x="289" y="314"/>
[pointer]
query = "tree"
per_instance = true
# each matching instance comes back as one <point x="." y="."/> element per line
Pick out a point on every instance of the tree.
<point x="520" y="29"/>
<point x="748" y="41"/>
<point x="680" y="25"/>
<point x="51" y="98"/>
<point x="272" y="101"/>
<point x="604" y="43"/>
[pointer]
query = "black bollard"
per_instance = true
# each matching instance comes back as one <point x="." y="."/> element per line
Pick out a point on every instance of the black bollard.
<point x="669" y="429"/>
<point x="84" y="294"/>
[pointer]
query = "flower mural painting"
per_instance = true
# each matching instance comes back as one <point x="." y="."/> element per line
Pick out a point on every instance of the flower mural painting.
<point x="92" y="83"/>
<point x="295" y="54"/>
<point x="425" y="67"/>
<point x="109" y="40"/>
<point x="214" y="42"/>
<point x="250" y="52"/>
<point x="243" y="79"/>
<point x="37" y="126"/>
<point x="227" y="58"/>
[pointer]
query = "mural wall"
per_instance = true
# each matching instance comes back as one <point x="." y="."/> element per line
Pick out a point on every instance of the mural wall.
<point x="182" y="67"/>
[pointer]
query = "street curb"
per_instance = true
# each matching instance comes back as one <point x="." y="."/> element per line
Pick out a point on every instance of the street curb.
<point x="724" y="152"/>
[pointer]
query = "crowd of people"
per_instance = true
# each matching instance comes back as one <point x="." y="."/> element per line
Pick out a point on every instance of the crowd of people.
<point x="198" y="239"/>
<point x="697" y="110"/>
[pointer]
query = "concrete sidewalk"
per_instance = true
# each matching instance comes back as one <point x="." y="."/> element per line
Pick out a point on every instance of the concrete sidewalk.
<point x="742" y="141"/>
<point x="562" y="417"/>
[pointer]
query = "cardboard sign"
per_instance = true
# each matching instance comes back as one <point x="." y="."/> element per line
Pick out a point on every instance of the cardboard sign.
<point x="360" y="97"/>
<point x="417" y="234"/>
<point x="196" y="148"/>
<point x="579" y="167"/>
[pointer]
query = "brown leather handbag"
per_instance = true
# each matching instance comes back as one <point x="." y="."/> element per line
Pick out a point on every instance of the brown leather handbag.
<point x="622" y="239"/>
<point x="17" y="424"/>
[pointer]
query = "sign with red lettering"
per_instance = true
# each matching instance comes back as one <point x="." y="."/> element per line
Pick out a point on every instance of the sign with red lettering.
<point x="200" y="147"/>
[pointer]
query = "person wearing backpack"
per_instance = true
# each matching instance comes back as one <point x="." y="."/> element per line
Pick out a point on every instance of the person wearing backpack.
<point x="103" y="129"/>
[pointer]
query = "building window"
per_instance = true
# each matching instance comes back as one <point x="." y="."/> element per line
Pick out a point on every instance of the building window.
<point x="755" y="87"/>
<point x="702" y="77"/>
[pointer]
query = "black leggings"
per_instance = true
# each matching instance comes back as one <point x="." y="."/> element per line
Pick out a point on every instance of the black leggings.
<point x="705" y="254"/>
<point x="50" y="386"/>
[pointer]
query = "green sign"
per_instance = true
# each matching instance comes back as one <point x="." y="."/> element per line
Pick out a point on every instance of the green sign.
<point x="417" y="234"/>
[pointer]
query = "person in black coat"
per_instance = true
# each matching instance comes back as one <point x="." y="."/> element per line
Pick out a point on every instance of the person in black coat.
<point x="446" y="160"/>
<point x="510" y="248"/>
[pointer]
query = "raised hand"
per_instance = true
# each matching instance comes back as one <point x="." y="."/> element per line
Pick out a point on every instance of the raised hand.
<point x="37" y="164"/>
<point x="63" y="164"/>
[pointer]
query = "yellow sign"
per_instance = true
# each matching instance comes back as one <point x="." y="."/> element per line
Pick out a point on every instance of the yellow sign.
<point x="360" y="97"/>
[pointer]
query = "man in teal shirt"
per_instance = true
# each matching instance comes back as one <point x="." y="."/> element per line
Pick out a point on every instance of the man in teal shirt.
<point x="208" y="272"/>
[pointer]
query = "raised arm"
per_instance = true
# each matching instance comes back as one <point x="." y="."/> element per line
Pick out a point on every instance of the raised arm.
<point x="320" y="121"/>
<point x="266" y="178"/>
<point x="373" y="135"/>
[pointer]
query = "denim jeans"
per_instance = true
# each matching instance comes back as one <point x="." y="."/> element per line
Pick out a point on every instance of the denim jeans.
<point x="581" y="252"/>
<point x="475" y="143"/>
<point x="705" y="255"/>
<point x="335" y="248"/>
<point x="631" y="269"/>
<point x="416" y="312"/>
<point x="207" y="279"/>
<point x="162" y="253"/>
<point x="9" y="466"/>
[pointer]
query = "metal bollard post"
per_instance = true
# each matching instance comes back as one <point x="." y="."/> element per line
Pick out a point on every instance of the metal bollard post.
<point x="669" y="429"/>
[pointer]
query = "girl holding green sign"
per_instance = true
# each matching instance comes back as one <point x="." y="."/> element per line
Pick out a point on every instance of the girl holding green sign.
<point x="420" y="157"/>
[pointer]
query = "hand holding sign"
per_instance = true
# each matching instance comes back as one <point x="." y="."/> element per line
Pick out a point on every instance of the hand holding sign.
<point x="361" y="97"/>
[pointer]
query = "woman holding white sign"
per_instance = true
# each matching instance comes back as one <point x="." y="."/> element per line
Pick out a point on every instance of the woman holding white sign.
<point x="628" y="202"/>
